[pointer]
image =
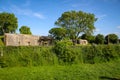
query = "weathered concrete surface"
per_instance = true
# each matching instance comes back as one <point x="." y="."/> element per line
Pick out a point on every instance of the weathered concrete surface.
<point x="25" y="40"/>
<point x="82" y="42"/>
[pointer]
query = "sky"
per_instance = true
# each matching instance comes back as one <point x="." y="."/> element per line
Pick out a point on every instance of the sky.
<point x="40" y="15"/>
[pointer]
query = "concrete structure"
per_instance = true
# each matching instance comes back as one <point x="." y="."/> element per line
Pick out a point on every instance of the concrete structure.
<point x="26" y="40"/>
<point x="82" y="42"/>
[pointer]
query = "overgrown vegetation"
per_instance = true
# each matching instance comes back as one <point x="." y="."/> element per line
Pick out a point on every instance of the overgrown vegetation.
<point x="62" y="53"/>
<point x="63" y="61"/>
<point x="27" y="56"/>
<point x="1" y="40"/>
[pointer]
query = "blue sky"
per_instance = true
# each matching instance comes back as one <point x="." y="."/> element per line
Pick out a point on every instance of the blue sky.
<point x="40" y="15"/>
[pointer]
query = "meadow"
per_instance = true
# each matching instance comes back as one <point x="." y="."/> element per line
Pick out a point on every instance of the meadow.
<point x="100" y="71"/>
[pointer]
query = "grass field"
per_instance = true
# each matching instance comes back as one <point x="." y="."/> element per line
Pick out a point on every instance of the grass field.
<point x="100" y="71"/>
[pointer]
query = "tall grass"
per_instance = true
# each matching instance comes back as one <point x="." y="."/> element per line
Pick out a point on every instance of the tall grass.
<point x="27" y="56"/>
<point x="101" y="71"/>
<point x="100" y="53"/>
<point x="1" y="40"/>
<point x="41" y="56"/>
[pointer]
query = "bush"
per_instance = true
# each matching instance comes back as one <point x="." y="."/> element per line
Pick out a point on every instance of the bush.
<point x="64" y="51"/>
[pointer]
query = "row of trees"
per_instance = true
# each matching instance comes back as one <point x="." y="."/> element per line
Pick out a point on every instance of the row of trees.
<point x="59" y="34"/>
<point x="101" y="39"/>
<point x="9" y="24"/>
<point x="72" y="24"/>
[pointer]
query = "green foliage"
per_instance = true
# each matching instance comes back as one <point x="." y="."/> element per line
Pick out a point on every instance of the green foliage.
<point x="99" y="39"/>
<point x="63" y="51"/>
<point x="111" y="38"/>
<point x="27" y="56"/>
<point x="101" y="53"/>
<point x="58" y="33"/>
<point x="89" y="37"/>
<point x="8" y="23"/>
<point x="25" y="30"/>
<point x="1" y="40"/>
<point x="76" y="22"/>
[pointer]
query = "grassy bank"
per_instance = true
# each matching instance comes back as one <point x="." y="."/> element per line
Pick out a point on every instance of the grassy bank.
<point x="63" y="55"/>
<point x="101" y="71"/>
<point x="61" y="62"/>
<point x="27" y="56"/>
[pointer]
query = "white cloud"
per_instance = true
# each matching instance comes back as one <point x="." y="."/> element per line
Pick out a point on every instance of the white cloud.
<point x="20" y="11"/>
<point x="117" y="33"/>
<point x="118" y="27"/>
<point x="39" y="15"/>
<point x="101" y="16"/>
<point x="27" y="12"/>
<point x="97" y="30"/>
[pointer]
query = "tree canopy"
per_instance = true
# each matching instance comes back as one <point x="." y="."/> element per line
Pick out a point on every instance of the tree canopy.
<point x="58" y="33"/>
<point x="25" y="30"/>
<point x="111" y="38"/>
<point x="99" y="39"/>
<point x="8" y="23"/>
<point x="89" y="37"/>
<point x="76" y="22"/>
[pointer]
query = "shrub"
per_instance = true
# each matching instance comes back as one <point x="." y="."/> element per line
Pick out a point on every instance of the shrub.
<point x="64" y="51"/>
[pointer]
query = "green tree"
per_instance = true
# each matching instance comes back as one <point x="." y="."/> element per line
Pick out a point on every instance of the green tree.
<point x="76" y="22"/>
<point x="111" y="38"/>
<point x="8" y="23"/>
<point x="99" y="39"/>
<point x="89" y="37"/>
<point x="25" y="30"/>
<point x="58" y="33"/>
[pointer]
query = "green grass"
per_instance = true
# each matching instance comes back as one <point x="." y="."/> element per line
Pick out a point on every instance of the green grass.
<point x="101" y="71"/>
